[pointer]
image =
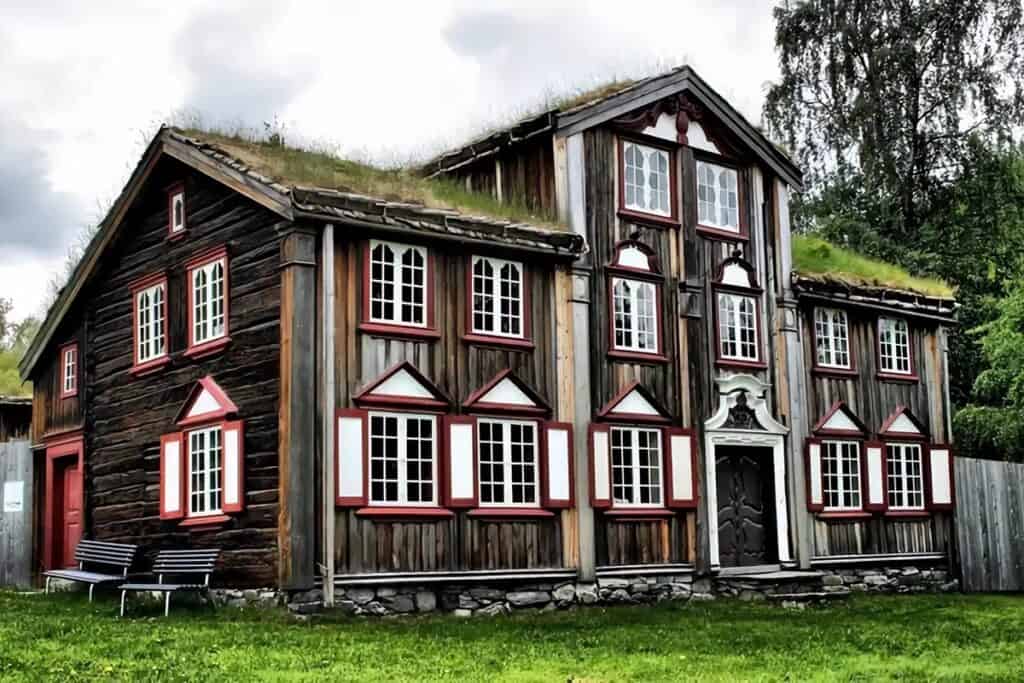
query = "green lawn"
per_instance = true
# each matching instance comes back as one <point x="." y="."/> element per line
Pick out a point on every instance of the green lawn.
<point x="62" y="637"/>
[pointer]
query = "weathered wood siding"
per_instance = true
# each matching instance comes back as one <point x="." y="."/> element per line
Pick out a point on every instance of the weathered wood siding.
<point x="15" y="420"/>
<point x="524" y="174"/>
<point x="51" y="414"/>
<point x="873" y="399"/>
<point x="990" y="524"/>
<point x="881" y="536"/>
<point x="458" y="368"/>
<point x="16" y="528"/>
<point x="126" y="414"/>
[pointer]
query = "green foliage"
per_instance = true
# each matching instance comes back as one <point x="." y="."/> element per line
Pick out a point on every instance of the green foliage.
<point x="815" y="256"/>
<point x="319" y="166"/>
<point x="906" y="638"/>
<point x="14" y="340"/>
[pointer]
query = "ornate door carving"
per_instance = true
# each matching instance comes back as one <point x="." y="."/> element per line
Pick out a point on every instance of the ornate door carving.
<point x="746" y="525"/>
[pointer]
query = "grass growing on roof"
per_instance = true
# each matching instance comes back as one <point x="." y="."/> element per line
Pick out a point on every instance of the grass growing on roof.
<point x="907" y="638"/>
<point x="320" y="167"/>
<point x="814" y="256"/>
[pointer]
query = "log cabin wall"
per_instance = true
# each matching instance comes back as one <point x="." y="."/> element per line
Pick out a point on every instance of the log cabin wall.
<point x="873" y="400"/>
<point x="523" y="174"/>
<point x="126" y="415"/>
<point x="458" y="368"/>
<point x="53" y="415"/>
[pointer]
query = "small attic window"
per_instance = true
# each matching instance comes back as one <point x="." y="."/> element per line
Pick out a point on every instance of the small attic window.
<point x="176" y="210"/>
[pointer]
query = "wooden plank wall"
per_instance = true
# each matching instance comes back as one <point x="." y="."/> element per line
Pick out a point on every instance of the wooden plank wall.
<point x="127" y="415"/>
<point x="990" y="524"/>
<point x="883" y="536"/>
<point x="526" y="175"/>
<point x="15" y="420"/>
<point x="16" y="526"/>
<point x="51" y="414"/>
<point x="458" y="368"/>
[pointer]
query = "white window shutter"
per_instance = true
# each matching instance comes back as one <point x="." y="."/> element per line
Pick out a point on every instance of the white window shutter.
<point x="600" y="467"/>
<point x="940" y="477"/>
<point x="681" y="479"/>
<point x="556" y="466"/>
<point x="461" y="461"/>
<point x="172" y="476"/>
<point x="350" y="464"/>
<point x="875" y="477"/>
<point x="815" y="493"/>
<point x="234" y="467"/>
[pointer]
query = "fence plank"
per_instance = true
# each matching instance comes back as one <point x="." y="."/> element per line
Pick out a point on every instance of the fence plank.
<point x="990" y="524"/>
<point x="16" y="507"/>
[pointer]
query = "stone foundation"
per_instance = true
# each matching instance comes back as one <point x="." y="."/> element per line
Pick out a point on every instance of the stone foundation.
<point x="890" y="580"/>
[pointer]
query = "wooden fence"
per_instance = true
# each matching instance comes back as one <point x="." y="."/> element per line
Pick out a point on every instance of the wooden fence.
<point x="16" y="511"/>
<point x="990" y="524"/>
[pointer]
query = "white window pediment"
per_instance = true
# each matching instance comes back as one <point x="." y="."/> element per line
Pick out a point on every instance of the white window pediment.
<point x="633" y="257"/>
<point x="903" y="425"/>
<point x="508" y="393"/>
<point x="206" y="402"/>
<point x="735" y="274"/>
<point x="634" y="403"/>
<point x="840" y="421"/>
<point x="402" y="383"/>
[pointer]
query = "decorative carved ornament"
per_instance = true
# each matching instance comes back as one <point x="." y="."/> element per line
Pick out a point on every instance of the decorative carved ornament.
<point x="684" y="109"/>
<point x="742" y="416"/>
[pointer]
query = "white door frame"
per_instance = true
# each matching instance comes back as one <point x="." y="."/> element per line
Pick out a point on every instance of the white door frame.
<point x="771" y="435"/>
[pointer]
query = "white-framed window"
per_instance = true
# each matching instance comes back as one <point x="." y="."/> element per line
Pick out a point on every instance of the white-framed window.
<point x="507" y="452"/>
<point x="177" y="211"/>
<point x="832" y="337"/>
<point x="636" y="466"/>
<point x="646" y="176"/>
<point x="403" y="459"/>
<point x="840" y="469"/>
<point x="69" y="370"/>
<point x="208" y="287"/>
<point x="906" y="478"/>
<point x="150" y="326"/>
<point x="497" y="297"/>
<point x="718" y="204"/>
<point x="634" y="315"/>
<point x="894" y="346"/>
<point x="205" y="467"/>
<point x="398" y="284"/>
<point x="737" y="327"/>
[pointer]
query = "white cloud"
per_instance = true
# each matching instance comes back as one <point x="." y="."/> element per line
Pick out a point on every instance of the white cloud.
<point x="83" y="87"/>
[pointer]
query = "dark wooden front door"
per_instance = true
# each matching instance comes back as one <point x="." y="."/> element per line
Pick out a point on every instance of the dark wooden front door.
<point x="746" y="520"/>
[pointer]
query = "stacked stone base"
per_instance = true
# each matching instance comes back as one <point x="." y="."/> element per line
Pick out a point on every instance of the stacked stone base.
<point x="890" y="580"/>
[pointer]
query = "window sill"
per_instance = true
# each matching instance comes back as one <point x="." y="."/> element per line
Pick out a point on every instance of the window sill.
<point x="640" y="513"/>
<point x="400" y="512"/>
<point x="841" y="373"/>
<point x="69" y="395"/>
<point x="203" y="522"/>
<point x="150" y="367"/>
<point x="510" y="513"/>
<point x="649" y="218"/>
<point x="747" y="364"/>
<point x="722" y="234"/>
<point x="908" y="514"/>
<point x="207" y="348"/>
<point x="844" y="514"/>
<point x="891" y="377"/>
<point x="508" y="342"/>
<point x="637" y="356"/>
<point x="176" y="236"/>
<point x="403" y="331"/>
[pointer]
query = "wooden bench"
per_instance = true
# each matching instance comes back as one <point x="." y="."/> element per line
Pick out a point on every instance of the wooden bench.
<point x="176" y="571"/>
<point x="92" y="557"/>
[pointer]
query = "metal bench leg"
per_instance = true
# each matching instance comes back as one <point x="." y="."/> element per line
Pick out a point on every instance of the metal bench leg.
<point x="91" y="586"/>
<point x="167" y="604"/>
<point x="47" y="591"/>
<point x="123" y="595"/>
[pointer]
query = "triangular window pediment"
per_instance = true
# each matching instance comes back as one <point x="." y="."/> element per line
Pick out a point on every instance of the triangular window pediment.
<point x="506" y="393"/>
<point x="902" y="423"/>
<point x="206" y="402"/>
<point x="840" y="420"/>
<point x="634" y="404"/>
<point x="402" y="384"/>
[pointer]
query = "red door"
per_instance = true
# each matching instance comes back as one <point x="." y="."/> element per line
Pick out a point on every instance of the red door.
<point x="71" y="517"/>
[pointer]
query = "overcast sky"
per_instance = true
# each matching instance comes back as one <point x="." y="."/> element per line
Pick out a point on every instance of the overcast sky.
<point x="82" y="89"/>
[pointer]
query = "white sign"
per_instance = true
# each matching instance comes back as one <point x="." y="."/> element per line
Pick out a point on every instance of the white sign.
<point x="14" y="496"/>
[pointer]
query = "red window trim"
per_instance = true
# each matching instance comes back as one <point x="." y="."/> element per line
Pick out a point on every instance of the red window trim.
<point x="227" y="406"/>
<point x="605" y="414"/>
<point x="446" y="475"/>
<point x="824" y="511"/>
<point x="840" y="406"/>
<point x="364" y="398"/>
<point x="671" y="501"/>
<point x="382" y="511"/>
<point x="634" y="510"/>
<point x="656" y="356"/>
<point x="352" y="501"/>
<point x="206" y="348"/>
<point x="927" y="465"/>
<point x="171" y="191"/>
<point x="887" y="376"/>
<point x="544" y="465"/>
<point x="153" y="364"/>
<point x="367" y="325"/>
<point x="204" y="522"/>
<point x="206" y="518"/>
<point x="885" y="435"/>
<point x="652" y="259"/>
<point x="473" y="403"/>
<point x="525" y="342"/>
<point x="510" y="513"/>
<point x="720" y="360"/>
<point x="826" y="370"/>
<point x="512" y="510"/>
<point x="392" y="509"/>
<point x="640" y="514"/>
<point x="712" y="232"/>
<point x="906" y="440"/>
<point x="62" y="364"/>
<point x="635" y="215"/>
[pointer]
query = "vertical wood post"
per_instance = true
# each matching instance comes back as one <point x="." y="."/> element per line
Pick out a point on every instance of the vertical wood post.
<point x="327" y="406"/>
<point x="297" y="410"/>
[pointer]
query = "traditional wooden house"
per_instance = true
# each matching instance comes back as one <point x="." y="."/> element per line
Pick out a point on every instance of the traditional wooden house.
<point x="341" y="389"/>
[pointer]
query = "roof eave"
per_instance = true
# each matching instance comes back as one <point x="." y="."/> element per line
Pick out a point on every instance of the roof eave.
<point x="902" y="301"/>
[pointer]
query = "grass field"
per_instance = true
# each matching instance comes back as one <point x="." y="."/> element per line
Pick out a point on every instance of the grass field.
<point x="62" y="637"/>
